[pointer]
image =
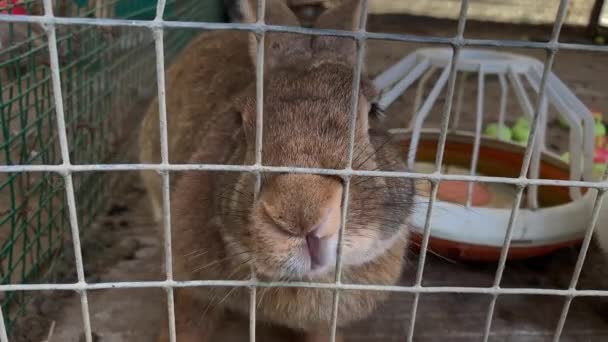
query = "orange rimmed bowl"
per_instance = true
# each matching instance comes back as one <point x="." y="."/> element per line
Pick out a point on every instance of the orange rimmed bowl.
<point x="477" y="232"/>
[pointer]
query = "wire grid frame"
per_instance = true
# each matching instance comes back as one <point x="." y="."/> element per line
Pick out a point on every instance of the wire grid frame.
<point x="67" y="169"/>
<point x="98" y="73"/>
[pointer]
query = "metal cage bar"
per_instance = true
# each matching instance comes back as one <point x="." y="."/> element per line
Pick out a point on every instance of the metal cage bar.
<point x="331" y="286"/>
<point x="408" y="38"/>
<point x="445" y="122"/>
<point x="579" y="264"/>
<point x="459" y="99"/>
<point x="478" y="126"/>
<point x="3" y="334"/>
<point x="560" y="18"/>
<point x="158" y="34"/>
<point x="357" y="71"/>
<point x="259" y="131"/>
<point x="65" y="156"/>
<point x="60" y="169"/>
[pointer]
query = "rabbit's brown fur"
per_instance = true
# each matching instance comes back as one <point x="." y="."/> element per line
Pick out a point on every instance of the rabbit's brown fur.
<point x="194" y="86"/>
<point x="221" y="232"/>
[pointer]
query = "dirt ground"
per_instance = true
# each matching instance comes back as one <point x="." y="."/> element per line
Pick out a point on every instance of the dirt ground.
<point x="123" y="245"/>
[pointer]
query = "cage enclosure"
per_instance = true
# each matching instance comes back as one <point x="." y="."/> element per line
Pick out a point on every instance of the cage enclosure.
<point x="80" y="254"/>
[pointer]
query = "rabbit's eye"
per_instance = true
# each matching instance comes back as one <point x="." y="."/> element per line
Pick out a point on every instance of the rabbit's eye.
<point x="376" y="112"/>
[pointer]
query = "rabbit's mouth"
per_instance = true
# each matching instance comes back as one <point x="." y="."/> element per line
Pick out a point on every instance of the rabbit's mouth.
<point x="314" y="259"/>
<point x="304" y="259"/>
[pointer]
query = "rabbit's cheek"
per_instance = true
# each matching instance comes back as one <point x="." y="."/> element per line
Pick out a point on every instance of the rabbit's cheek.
<point x="366" y="246"/>
<point x="273" y="250"/>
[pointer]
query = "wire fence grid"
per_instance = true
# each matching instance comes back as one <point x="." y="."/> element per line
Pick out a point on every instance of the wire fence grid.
<point x="99" y="71"/>
<point x="66" y="164"/>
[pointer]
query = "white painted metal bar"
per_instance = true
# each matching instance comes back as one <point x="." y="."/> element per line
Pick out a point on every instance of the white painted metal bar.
<point x="502" y="261"/>
<point x="526" y="104"/>
<point x="357" y="73"/>
<point x="420" y="269"/>
<point x="576" y="129"/>
<point x="520" y="93"/>
<point x="331" y="286"/>
<point x="534" y="172"/>
<point x="504" y="97"/>
<point x="259" y="131"/>
<point x="60" y="169"/>
<point x="422" y="114"/>
<point x="559" y="21"/>
<point x="3" y="334"/>
<point x="164" y="153"/>
<point x="588" y="121"/>
<point x="579" y="264"/>
<point x="428" y="71"/>
<point x="445" y="122"/>
<point x="540" y="146"/>
<point x="259" y="85"/>
<point x="392" y="74"/>
<point x="390" y="96"/>
<point x="459" y="98"/>
<point x="478" y="126"/>
<point x="65" y="156"/>
<point x="399" y="37"/>
<point x="560" y="18"/>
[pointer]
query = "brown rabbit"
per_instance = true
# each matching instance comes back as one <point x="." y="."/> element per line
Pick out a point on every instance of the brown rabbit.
<point x="290" y="231"/>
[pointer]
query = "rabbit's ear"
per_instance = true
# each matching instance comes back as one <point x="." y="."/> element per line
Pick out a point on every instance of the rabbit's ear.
<point x="279" y="48"/>
<point x="346" y="16"/>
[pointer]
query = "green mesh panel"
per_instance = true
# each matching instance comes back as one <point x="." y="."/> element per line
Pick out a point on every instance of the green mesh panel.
<point x="99" y="73"/>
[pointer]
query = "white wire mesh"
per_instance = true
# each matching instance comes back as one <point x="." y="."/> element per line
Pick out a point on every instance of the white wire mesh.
<point x="66" y="169"/>
<point x="445" y="121"/>
<point x="259" y="131"/>
<point x="164" y="152"/>
<point x="3" y="335"/>
<point x="349" y="163"/>
<point x="526" y="163"/>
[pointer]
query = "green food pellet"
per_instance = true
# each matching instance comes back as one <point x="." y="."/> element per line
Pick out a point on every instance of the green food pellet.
<point x="504" y="133"/>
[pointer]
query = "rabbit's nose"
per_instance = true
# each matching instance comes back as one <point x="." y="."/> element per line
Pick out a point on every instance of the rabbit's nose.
<point x="322" y="242"/>
<point x="321" y="251"/>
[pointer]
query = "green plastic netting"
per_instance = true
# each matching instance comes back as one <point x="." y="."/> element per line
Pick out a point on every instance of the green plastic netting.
<point x="101" y="72"/>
